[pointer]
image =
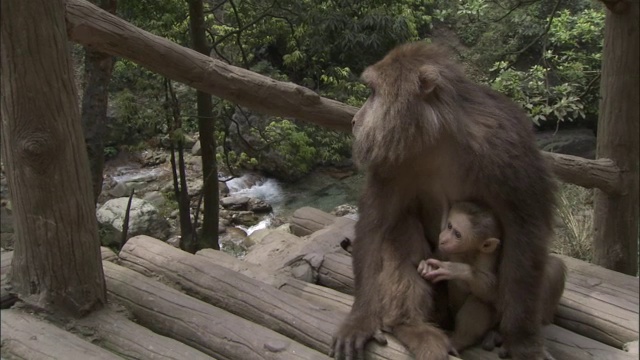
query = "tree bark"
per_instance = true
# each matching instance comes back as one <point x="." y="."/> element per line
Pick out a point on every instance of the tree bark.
<point x="204" y="327"/>
<point x="616" y="215"/>
<point x="289" y="315"/>
<point x="206" y="129"/>
<point x="57" y="253"/>
<point x="97" y="67"/>
<point x="26" y="336"/>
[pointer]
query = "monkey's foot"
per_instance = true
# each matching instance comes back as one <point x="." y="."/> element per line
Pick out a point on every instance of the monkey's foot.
<point x="492" y="340"/>
<point x="525" y="353"/>
<point x="350" y="340"/>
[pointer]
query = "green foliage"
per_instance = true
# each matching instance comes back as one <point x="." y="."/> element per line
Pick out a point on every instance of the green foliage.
<point x="545" y="55"/>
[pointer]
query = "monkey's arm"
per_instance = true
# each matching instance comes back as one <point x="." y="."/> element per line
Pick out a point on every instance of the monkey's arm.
<point x="482" y="284"/>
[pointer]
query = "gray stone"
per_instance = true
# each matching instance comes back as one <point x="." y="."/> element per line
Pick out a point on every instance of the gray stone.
<point x="196" y="150"/>
<point x="155" y="198"/>
<point x="235" y="202"/>
<point x="259" y="206"/>
<point x="144" y="218"/>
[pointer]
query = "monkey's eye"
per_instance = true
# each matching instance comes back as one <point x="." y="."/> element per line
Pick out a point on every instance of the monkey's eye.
<point x="449" y="226"/>
<point x="457" y="234"/>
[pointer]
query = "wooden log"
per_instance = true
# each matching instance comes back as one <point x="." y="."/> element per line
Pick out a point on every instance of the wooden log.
<point x="599" y="303"/>
<point x="24" y="336"/>
<point x="107" y="254"/>
<point x="601" y="173"/>
<point x="129" y="340"/>
<point x="241" y="295"/>
<point x="336" y="272"/>
<point x="211" y="330"/>
<point x="307" y="220"/>
<point x="275" y="249"/>
<point x="321" y="295"/>
<point x="562" y="343"/>
<point x="97" y="29"/>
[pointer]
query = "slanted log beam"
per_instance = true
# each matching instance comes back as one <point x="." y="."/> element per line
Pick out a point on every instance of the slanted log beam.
<point x="97" y="29"/>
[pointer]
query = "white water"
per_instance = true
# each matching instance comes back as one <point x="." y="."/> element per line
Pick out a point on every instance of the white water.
<point x="253" y="186"/>
<point x="268" y="190"/>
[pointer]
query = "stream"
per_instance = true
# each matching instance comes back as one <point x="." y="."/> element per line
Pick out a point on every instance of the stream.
<point x="318" y="190"/>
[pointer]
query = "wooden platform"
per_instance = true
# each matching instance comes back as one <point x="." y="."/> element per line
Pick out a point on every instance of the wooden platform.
<point x="212" y="305"/>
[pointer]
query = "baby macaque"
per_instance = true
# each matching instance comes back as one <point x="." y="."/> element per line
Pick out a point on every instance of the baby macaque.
<point x="469" y="245"/>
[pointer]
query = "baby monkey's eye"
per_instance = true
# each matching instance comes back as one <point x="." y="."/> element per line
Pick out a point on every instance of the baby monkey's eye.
<point x="449" y="226"/>
<point x="457" y="234"/>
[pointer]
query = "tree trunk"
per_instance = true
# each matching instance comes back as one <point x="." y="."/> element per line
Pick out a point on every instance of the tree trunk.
<point x="616" y="215"/>
<point x="97" y="68"/>
<point x="206" y="128"/>
<point x="57" y="253"/>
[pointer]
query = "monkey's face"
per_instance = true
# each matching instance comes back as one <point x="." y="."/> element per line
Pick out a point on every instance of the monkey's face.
<point x="403" y="117"/>
<point x="457" y="237"/>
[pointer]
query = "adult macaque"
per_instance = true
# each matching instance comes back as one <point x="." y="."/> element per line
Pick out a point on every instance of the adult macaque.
<point x="469" y="242"/>
<point x="426" y="136"/>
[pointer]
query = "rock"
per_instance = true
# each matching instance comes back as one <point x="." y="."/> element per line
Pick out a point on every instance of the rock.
<point x="155" y="198"/>
<point x="174" y="241"/>
<point x="234" y="241"/>
<point x="259" y="206"/>
<point x="144" y="218"/>
<point x="258" y="235"/>
<point x="244" y="218"/>
<point x="345" y="209"/>
<point x="150" y="158"/>
<point x="235" y="202"/>
<point x="195" y="186"/>
<point x="124" y="188"/>
<point x="174" y="214"/>
<point x="196" y="150"/>
<point x="284" y="227"/>
<point x="223" y="188"/>
<point x="189" y="141"/>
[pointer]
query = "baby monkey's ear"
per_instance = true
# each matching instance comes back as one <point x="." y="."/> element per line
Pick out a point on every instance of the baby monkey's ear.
<point x="429" y="77"/>
<point x="490" y="245"/>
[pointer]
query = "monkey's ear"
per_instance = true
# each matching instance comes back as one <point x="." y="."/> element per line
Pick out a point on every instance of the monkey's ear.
<point x="490" y="245"/>
<point x="429" y="77"/>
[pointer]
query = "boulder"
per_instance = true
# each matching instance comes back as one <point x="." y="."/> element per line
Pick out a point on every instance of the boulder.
<point x="235" y="202"/>
<point x="259" y="206"/>
<point x="144" y="218"/>
<point x="196" y="150"/>
<point x="155" y="198"/>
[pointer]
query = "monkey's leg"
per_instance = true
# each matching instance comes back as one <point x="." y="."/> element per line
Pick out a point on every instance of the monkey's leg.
<point x="473" y="320"/>
<point x="364" y="322"/>
<point x="425" y="341"/>
<point x="520" y="281"/>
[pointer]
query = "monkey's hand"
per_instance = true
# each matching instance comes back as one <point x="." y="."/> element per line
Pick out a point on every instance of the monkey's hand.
<point x="424" y="268"/>
<point x="353" y="335"/>
<point x="505" y="353"/>
<point x="437" y="270"/>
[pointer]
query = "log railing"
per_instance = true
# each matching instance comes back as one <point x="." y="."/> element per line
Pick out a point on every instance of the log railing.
<point x="95" y="28"/>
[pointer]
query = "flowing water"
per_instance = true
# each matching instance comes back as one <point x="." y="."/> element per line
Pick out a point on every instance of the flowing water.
<point x="318" y="190"/>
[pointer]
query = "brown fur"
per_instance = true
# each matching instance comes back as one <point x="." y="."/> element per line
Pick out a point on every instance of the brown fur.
<point x="428" y="135"/>
<point x="471" y="269"/>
